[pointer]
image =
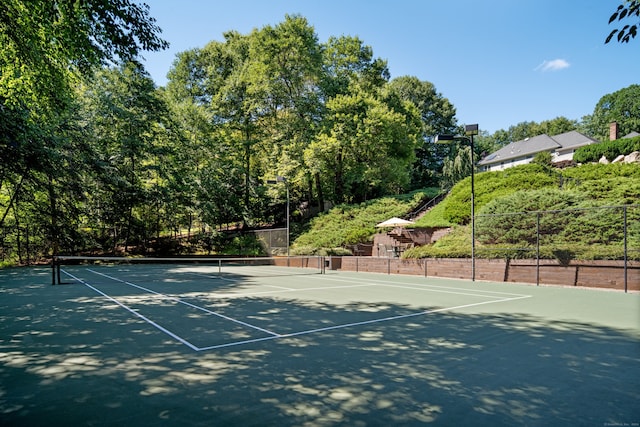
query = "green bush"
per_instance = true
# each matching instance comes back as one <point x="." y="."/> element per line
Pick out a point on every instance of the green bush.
<point x="513" y="220"/>
<point x="569" y="231"/>
<point x="456" y="208"/>
<point x="456" y="244"/>
<point x="543" y="158"/>
<point x="610" y="150"/>
<point x="351" y="224"/>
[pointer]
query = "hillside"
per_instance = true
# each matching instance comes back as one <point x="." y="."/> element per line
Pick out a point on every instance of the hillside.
<point x="526" y="188"/>
<point x="350" y="224"/>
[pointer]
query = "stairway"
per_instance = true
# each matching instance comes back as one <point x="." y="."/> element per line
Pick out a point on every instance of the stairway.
<point x="425" y="207"/>
<point x="401" y="240"/>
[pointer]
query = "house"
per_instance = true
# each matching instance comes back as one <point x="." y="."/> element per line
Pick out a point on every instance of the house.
<point x="560" y="146"/>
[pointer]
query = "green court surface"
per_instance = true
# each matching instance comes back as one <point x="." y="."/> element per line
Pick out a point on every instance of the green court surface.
<point x="192" y="345"/>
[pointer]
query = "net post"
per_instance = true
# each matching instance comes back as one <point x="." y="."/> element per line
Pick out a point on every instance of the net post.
<point x="53" y="271"/>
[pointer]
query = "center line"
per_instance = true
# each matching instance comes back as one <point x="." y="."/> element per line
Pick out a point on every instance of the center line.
<point x="231" y="319"/>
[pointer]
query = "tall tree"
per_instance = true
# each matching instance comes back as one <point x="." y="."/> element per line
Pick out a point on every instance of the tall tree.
<point x="45" y="44"/>
<point x="350" y="70"/>
<point x="368" y="149"/>
<point x="126" y="115"/>
<point x="437" y="116"/>
<point x="622" y="106"/>
<point x="45" y="47"/>
<point x="261" y="95"/>
<point x="287" y="64"/>
<point x="348" y="63"/>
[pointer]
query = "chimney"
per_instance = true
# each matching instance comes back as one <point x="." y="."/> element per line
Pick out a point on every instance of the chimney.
<point x="613" y="131"/>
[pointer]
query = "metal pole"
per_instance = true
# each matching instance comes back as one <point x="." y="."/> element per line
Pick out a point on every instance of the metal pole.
<point x="473" y="217"/>
<point x="537" y="248"/>
<point x="625" y="248"/>
<point x="287" y="185"/>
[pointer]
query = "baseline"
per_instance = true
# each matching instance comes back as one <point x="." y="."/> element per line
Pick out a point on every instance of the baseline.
<point x="495" y="298"/>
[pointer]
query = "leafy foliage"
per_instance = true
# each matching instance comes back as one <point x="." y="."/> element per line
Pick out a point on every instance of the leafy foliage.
<point x="543" y="158"/>
<point x="351" y="224"/>
<point x="94" y="157"/>
<point x="437" y="116"/>
<point x="456" y="208"/>
<point x="609" y="150"/>
<point x="625" y="10"/>
<point x="622" y="107"/>
<point x="47" y="47"/>
<point x="570" y="209"/>
<point x="525" y="130"/>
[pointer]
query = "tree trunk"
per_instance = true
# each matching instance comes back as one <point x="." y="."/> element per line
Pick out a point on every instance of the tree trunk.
<point x="13" y="198"/>
<point x="18" y="240"/>
<point x="320" y="194"/>
<point x="339" y="180"/>
<point x="247" y="174"/>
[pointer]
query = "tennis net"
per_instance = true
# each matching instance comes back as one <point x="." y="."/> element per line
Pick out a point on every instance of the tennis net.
<point x="213" y="267"/>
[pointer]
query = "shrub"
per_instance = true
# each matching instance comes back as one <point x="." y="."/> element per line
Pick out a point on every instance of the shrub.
<point x="351" y="224"/>
<point x="456" y="208"/>
<point x="610" y="150"/>
<point x="542" y="158"/>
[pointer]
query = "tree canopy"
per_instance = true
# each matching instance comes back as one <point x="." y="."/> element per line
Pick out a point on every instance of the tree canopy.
<point x="622" y="107"/>
<point x="95" y="157"/>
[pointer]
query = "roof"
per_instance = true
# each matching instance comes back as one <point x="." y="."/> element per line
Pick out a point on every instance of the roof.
<point x="528" y="146"/>
<point x="573" y="139"/>
<point x="538" y="144"/>
<point x="632" y="135"/>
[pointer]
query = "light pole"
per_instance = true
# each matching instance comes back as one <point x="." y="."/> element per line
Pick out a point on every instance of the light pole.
<point x="277" y="180"/>
<point x="469" y="130"/>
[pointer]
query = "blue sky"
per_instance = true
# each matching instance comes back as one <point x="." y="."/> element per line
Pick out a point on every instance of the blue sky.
<point x="500" y="62"/>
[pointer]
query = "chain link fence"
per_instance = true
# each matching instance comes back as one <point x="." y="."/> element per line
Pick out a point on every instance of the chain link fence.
<point x="566" y="237"/>
<point x="273" y="241"/>
<point x="599" y="233"/>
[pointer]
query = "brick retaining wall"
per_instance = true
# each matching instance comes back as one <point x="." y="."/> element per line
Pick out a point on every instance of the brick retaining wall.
<point x="597" y="274"/>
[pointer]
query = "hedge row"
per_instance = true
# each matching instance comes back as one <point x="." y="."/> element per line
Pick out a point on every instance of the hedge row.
<point x="610" y="150"/>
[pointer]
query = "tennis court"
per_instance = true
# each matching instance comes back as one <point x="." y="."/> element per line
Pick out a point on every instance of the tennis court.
<point x="243" y="343"/>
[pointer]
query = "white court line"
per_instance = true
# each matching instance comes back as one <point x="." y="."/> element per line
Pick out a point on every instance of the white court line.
<point x="231" y="319"/>
<point x="146" y="319"/>
<point x="279" y="287"/>
<point x="422" y="286"/>
<point x="365" y="322"/>
<point x="274" y="335"/>
<point x="285" y="290"/>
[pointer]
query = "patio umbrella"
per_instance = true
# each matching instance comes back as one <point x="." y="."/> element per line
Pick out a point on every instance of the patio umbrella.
<point x="394" y="222"/>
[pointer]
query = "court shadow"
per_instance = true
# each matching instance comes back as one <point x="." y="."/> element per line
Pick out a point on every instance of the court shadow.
<point x="68" y="357"/>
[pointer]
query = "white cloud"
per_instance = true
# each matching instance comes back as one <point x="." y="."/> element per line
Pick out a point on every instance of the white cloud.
<point x="553" y="65"/>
